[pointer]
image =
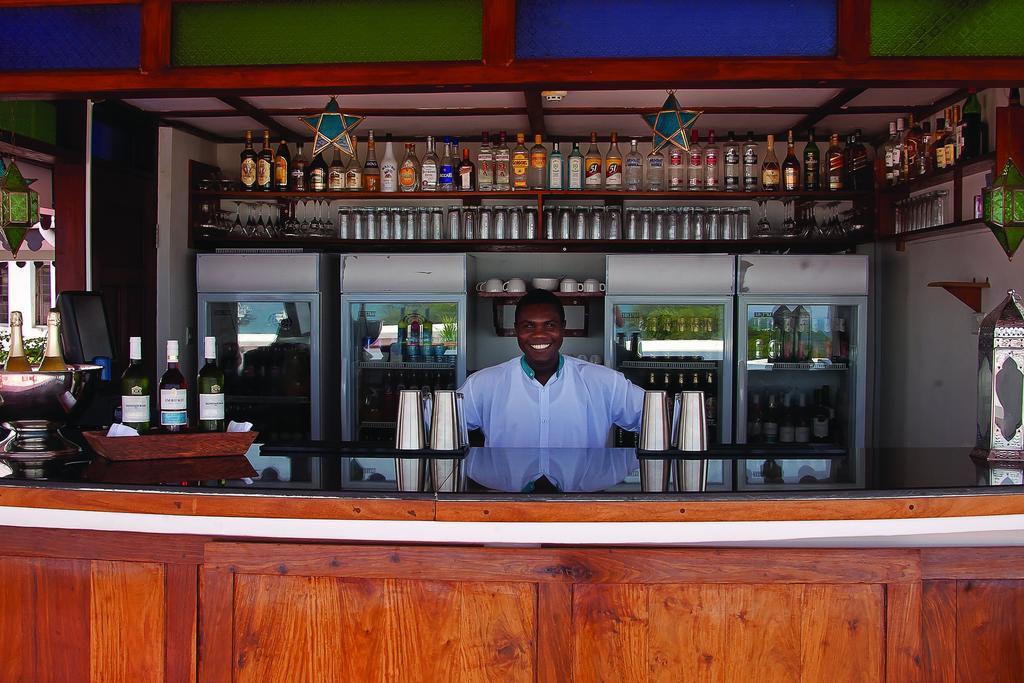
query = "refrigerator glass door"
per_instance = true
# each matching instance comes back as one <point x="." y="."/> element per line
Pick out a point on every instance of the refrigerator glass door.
<point x="801" y="392"/>
<point x="676" y="345"/>
<point x="392" y="343"/>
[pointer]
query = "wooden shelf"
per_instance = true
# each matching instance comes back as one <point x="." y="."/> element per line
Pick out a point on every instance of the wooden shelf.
<point x="560" y="295"/>
<point x="985" y="162"/>
<point x="946" y="229"/>
<point x="967" y="292"/>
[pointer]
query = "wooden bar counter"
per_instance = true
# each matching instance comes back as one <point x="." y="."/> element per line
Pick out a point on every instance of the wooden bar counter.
<point x="139" y="582"/>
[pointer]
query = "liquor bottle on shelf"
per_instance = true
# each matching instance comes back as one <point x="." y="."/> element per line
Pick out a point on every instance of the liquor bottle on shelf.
<point x="711" y="166"/>
<point x="655" y="171"/>
<point x="613" y="166"/>
<point x="898" y="151"/>
<point x="711" y="405"/>
<point x="415" y="350"/>
<point x="751" y="172"/>
<point x="771" y="421"/>
<point x="859" y="170"/>
<point x="466" y="173"/>
<point x="924" y="159"/>
<point x="318" y="174"/>
<point x="502" y="165"/>
<point x="953" y="141"/>
<point x="446" y="169"/>
<point x="695" y="163"/>
<point x="840" y="341"/>
<point x="297" y="175"/>
<point x="282" y="166"/>
<point x="755" y="420"/>
<point x="210" y="386"/>
<point x="173" y="393"/>
<point x="787" y="424"/>
<point x="555" y="168"/>
<point x="265" y="165"/>
<point x="593" y="171"/>
<point x="336" y="174"/>
<point x="820" y="432"/>
<point x="677" y="161"/>
<point x="778" y="345"/>
<point x="135" y="390"/>
<point x="633" y="168"/>
<point x="53" y="354"/>
<point x="770" y="171"/>
<point x="430" y="168"/>
<point x="16" y="359"/>
<point x="409" y="171"/>
<point x="812" y="164"/>
<point x="535" y="174"/>
<point x="802" y="432"/>
<point x="974" y="133"/>
<point x="835" y="162"/>
<point x="388" y="167"/>
<point x="911" y="145"/>
<point x="889" y="154"/>
<point x="733" y="166"/>
<point x="802" y="342"/>
<point x="248" y="165"/>
<point x="575" y="168"/>
<point x="520" y="163"/>
<point x="403" y="331"/>
<point x="354" y="170"/>
<point x="937" y="151"/>
<point x="371" y="169"/>
<point x="485" y="164"/>
<point x="790" y="167"/>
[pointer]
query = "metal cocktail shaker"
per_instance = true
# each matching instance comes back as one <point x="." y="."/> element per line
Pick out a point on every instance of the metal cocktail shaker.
<point x="409" y="436"/>
<point x="654" y="436"/>
<point x="690" y="434"/>
<point x="446" y="434"/>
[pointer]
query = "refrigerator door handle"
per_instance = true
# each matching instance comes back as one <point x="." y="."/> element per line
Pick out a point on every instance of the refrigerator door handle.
<point x="743" y="268"/>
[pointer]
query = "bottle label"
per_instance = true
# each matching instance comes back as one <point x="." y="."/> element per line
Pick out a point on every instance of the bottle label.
<point x="787" y="434"/>
<point x="173" y="407"/>
<point x="820" y="428"/>
<point x="211" y="406"/>
<point x="732" y="155"/>
<point x="263" y="171"/>
<point x="429" y="177"/>
<point x="447" y="176"/>
<point x="281" y="172"/>
<point x="771" y="432"/>
<point x="754" y="430"/>
<point x="248" y="172"/>
<point x="298" y="179"/>
<point x="656" y="162"/>
<point x="940" y="157"/>
<point x="371" y="183"/>
<point x="354" y="180"/>
<point x="335" y="179"/>
<point x="732" y="182"/>
<point x="407" y="177"/>
<point x="575" y="173"/>
<point x="770" y="177"/>
<point x="135" y="409"/>
<point x="466" y="178"/>
<point x="555" y="173"/>
<point x="802" y="434"/>
<point x="484" y="170"/>
<point x="633" y="162"/>
<point x="538" y="159"/>
<point x="519" y="164"/>
<point x="696" y="158"/>
<point x="711" y="158"/>
<point x="317" y="182"/>
<point x="750" y="156"/>
<point x="501" y="171"/>
<point x="614" y="173"/>
<point x="792" y="181"/>
<point x="388" y="178"/>
<point x="592" y="176"/>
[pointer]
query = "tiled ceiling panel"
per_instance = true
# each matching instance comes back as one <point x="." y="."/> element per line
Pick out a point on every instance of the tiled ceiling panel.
<point x="652" y="99"/>
<point x="228" y="126"/>
<point x="173" y="104"/>
<point x="909" y="97"/>
<point x="393" y="100"/>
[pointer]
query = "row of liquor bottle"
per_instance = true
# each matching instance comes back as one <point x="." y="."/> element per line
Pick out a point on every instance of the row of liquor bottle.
<point x="732" y="166"/>
<point x="914" y="149"/>
<point x="379" y="401"/>
<point x="774" y="421"/>
<point x="172" y="392"/>
<point x="792" y="335"/>
<point x="672" y="383"/>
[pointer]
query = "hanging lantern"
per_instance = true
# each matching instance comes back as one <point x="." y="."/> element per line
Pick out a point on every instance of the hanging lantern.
<point x="1004" y="208"/>
<point x="1000" y="445"/>
<point x="19" y="206"/>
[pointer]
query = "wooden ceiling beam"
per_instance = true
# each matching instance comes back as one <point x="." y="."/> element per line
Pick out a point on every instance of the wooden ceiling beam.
<point x="158" y="119"/>
<point x="924" y="112"/>
<point x="833" y="106"/>
<point x="261" y="117"/>
<point x="403" y="112"/>
<point x="498" y="39"/>
<point x="535" y="111"/>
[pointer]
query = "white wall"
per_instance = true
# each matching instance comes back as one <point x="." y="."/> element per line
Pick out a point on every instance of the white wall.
<point x="176" y="270"/>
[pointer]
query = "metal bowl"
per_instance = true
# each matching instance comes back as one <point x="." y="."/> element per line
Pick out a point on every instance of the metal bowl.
<point x="34" y="406"/>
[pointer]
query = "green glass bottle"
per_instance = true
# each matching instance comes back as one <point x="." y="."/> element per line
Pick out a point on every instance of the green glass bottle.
<point x="210" y="385"/>
<point x="135" y="390"/>
<point x="812" y="159"/>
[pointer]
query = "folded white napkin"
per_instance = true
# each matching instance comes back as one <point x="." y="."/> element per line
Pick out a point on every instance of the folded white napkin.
<point x="239" y="426"/>
<point x="118" y="429"/>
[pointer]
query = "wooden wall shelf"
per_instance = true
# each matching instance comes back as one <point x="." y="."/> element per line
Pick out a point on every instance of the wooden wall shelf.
<point x="967" y="292"/>
<point x="982" y="164"/>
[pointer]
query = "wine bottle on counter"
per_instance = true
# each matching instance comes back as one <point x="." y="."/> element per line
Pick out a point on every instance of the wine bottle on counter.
<point x="173" y="394"/>
<point x="53" y="356"/>
<point x="16" y="359"/>
<point x="135" y="390"/>
<point x="210" y="385"/>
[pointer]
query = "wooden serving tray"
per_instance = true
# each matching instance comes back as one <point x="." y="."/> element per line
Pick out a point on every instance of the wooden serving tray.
<point x="164" y="446"/>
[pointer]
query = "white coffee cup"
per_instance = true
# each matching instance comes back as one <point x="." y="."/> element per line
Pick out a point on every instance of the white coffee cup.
<point x="492" y="285"/>
<point x="570" y="285"/>
<point x="516" y="284"/>
<point x="592" y="285"/>
<point x="595" y="359"/>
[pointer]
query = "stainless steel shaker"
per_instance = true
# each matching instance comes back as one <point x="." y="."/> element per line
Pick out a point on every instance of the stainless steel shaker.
<point x="654" y="436"/>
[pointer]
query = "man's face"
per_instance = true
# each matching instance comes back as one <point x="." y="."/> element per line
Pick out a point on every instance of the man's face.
<point x="540" y="330"/>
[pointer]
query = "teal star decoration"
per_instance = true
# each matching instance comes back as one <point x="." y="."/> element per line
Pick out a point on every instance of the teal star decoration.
<point x="332" y="127"/>
<point x="671" y="125"/>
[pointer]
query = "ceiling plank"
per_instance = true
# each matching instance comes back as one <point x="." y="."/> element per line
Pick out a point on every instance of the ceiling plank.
<point x="260" y="116"/>
<point x="158" y="119"/>
<point x="853" y="32"/>
<point x="833" y="106"/>
<point x="926" y="111"/>
<point x="499" y="32"/>
<point x="404" y="112"/>
<point x="535" y="111"/>
<point x="155" y="36"/>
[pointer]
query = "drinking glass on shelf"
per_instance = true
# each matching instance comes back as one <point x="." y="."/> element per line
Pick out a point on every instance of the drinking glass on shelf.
<point x="580" y="232"/>
<point x="246" y="219"/>
<point x="549" y="223"/>
<point x="728" y="223"/>
<point x="660" y="224"/>
<point x="788" y="221"/>
<point x="383" y="223"/>
<point x="596" y="230"/>
<point x="326" y="224"/>
<point x="344" y="223"/>
<point x="486" y="224"/>
<point x="632" y="224"/>
<point x="409" y="221"/>
<point x="530" y="223"/>
<point x="500" y="222"/>
<point x="613" y="230"/>
<point x="396" y="223"/>
<point x="564" y="223"/>
<point x="453" y="230"/>
<point x="469" y="223"/>
<point x="672" y="225"/>
<point x="939" y="208"/>
<point x="437" y="223"/>
<point x="699" y="225"/>
<point x="236" y="222"/>
<point x="515" y="222"/>
<point x="686" y="223"/>
<point x="359" y="224"/>
<point x="763" y="230"/>
<point x="371" y="223"/>
<point x="423" y="223"/>
<point x="743" y="223"/>
<point x="713" y="224"/>
<point x="646" y="224"/>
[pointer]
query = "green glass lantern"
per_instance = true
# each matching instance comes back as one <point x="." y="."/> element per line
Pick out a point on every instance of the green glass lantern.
<point x="1004" y="208"/>
<point x="19" y="206"/>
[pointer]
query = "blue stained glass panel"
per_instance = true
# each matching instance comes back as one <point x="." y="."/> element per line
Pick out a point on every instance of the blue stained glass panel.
<point x="668" y="28"/>
<point x="68" y="37"/>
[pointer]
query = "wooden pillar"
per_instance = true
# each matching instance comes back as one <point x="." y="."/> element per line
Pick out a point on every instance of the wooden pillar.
<point x="1009" y="136"/>
<point x="69" y="186"/>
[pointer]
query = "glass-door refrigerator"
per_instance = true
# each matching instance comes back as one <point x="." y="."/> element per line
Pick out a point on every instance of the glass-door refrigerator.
<point x="669" y="326"/>
<point x="802" y="370"/>
<point x="403" y="326"/>
<point x="273" y="316"/>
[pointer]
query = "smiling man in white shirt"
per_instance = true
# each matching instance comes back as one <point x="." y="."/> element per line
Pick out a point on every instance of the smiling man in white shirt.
<point x="543" y="399"/>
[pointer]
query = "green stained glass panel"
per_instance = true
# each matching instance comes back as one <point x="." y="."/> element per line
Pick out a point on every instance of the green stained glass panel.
<point x="947" y="28"/>
<point x="322" y="32"/>
<point x="36" y="120"/>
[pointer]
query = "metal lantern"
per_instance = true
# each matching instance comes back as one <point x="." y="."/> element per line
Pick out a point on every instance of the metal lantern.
<point x="1000" y="446"/>
<point x="19" y="206"/>
<point x="1004" y="208"/>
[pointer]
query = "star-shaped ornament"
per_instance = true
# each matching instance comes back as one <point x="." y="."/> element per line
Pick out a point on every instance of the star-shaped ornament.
<point x="671" y="125"/>
<point x="332" y="127"/>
